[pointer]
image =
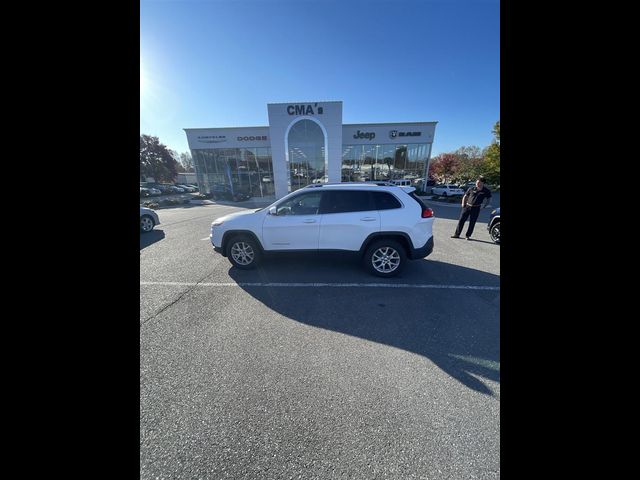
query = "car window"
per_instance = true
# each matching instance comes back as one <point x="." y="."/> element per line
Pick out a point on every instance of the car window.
<point x="344" y="201"/>
<point x="303" y="204"/>
<point x="385" y="201"/>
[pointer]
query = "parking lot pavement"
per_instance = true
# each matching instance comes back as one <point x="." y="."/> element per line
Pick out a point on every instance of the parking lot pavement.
<point x="309" y="367"/>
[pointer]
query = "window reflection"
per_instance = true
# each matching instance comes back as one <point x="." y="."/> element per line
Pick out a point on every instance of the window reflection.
<point x="306" y="154"/>
<point x="384" y="162"/>
<point x="237" y="170"/>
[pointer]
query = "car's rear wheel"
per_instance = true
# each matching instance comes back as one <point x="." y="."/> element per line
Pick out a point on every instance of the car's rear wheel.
<point x="385" y="258"/>
<point x="494" y="233"/>
<point x="243" y="252"/>
<point x="146" y="223"/>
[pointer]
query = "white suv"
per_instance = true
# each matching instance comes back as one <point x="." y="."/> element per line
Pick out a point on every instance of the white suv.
<point x="384" y="224"/>
<point x="447" y="190"/>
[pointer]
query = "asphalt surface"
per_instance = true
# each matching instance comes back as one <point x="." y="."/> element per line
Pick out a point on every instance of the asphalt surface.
<point x="308" y="367"/>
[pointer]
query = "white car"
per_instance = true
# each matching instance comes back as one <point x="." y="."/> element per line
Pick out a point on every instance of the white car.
<point x="186" y="188"/>
<point x="447" y="190"/>
<point x="384" y="225"/>
<point x="148" y="219"/>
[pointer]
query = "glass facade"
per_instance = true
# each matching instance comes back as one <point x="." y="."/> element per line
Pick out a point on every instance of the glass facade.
<point x="250" y="170"/>
<point x="306" y="155"/>
<point x="361" y="163"/>
<point x="235" y="170"/>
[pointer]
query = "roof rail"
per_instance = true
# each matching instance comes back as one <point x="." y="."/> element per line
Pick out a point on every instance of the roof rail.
<point x="379" y="183"/>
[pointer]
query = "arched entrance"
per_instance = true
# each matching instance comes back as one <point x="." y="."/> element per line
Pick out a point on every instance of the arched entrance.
<point x="306" y="148"/>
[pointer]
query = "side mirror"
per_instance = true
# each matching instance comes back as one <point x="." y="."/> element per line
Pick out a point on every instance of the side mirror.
<point x="273" y="211"/>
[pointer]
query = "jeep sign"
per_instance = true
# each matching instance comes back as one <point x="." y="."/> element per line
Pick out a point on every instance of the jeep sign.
<point x="367" y="135"/>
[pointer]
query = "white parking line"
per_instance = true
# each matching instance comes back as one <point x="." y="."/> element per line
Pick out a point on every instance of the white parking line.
<point x="316" y="285"/>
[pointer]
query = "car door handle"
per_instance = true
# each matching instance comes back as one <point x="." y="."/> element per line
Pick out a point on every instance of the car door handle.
<point x="368" y="219"/>
<point x="309" y="220"/>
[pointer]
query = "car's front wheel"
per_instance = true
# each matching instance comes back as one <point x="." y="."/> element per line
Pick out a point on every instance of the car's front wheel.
<point x="146" y="223"/>
<point x="243" y="253"/>
<point x="494" y="233"/>
<point x="385" y="258"/>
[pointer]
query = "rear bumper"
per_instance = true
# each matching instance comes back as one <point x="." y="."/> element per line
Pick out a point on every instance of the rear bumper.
<point x="423" y="251"/>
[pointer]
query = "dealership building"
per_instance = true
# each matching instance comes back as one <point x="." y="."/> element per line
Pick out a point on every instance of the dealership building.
<point x="306" y="143"/>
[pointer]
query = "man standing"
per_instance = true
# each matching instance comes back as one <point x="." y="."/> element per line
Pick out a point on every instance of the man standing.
<point x="472" y="201"/>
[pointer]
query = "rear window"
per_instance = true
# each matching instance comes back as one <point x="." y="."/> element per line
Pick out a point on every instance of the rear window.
<point x="418" y="199"/>
<point x="385" y="201"/>
<point x="342" y="201"/>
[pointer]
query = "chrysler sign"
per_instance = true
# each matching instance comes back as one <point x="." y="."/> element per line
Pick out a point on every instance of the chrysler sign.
<point x="212" y="138"/>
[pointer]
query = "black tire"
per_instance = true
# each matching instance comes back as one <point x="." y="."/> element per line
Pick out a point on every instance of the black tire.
<point x="444" y="194"/>
<point x="146" y="223"/>
<point x="243" y="252"/>
<point x="494" y="232"/>
<point x="385" y="258"/>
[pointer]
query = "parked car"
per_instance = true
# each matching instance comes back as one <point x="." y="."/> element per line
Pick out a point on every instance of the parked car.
<point x="494" y="225"/>
<point x="186" y="188"/>
<point x="448" y="190"/>
<point x="148" y="219"/>
<point x="402" y="182"/>
<point x="384" y="225"/>
<point x="155" y="191"/>
<point x="168" y="189"/>
<point x="145" y="192"/>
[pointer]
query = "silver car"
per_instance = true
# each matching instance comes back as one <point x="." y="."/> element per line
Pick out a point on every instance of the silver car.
<point x="148" y="219"/>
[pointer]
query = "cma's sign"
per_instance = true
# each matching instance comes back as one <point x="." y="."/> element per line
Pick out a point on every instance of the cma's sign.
<point x="212" y="138"/>
<point x="304" y="109"/>
<point x="396" y="133"/>
<point x="252" y="138"/>
<point x="367" y="135"/>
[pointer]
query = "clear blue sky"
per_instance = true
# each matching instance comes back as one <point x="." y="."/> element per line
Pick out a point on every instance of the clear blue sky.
<point x="217" y="63"/>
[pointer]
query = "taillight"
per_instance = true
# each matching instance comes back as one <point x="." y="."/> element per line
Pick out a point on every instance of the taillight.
<point x="427" y="213"/>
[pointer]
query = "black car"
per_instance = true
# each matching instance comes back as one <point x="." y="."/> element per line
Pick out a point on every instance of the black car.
<point x="494" y="226"/>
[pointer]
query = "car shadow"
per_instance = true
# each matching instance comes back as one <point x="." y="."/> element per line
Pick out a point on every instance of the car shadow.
<point x="457" y="329"/>
<point x="150" y="238"/>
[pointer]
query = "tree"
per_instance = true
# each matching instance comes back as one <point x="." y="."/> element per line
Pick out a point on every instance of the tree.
<point x="156" y="160"/>
<point x="491" y="163"/>
<point x="187" y="162"/>
<point x="470" y="163"/>
<point x="444" y="166"/>
<point x="176" y="157"/>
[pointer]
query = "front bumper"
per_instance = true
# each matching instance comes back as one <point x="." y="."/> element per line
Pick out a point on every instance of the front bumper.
<point x="215" y="248"/>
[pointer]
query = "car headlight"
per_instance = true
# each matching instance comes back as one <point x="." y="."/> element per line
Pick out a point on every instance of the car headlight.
<point x="217" y="223"/>
<point x="493" y="212"/>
